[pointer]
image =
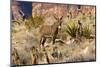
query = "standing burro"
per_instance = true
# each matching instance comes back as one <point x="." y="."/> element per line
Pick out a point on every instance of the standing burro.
<point x="50" y="31"/>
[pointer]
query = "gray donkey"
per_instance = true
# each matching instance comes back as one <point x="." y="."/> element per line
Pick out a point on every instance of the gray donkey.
<point x="50" y="31"/>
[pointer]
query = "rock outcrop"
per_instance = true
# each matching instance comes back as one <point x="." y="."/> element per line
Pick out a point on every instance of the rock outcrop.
<point x="49" y="9"/>
<point x="17" y="13"/>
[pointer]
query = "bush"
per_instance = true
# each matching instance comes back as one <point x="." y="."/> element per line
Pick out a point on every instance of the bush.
<point x="34" y="22"/>
<point x="38" y="20"/>
<point x="29" y="24"/>
<point x="71" y="29"/>
<point x="87" y="31"/>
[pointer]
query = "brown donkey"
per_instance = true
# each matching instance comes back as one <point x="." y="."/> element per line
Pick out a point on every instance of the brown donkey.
<point x="50" y="31"/>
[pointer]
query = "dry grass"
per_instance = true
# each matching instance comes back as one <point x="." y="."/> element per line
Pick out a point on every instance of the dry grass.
<point x="28" y="48"/>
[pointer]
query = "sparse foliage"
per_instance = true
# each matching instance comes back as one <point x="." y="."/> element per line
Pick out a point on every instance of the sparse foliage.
<point x="87" y="31"/>
<point x="34" y="22"/>
<point x="64" y="41"/>
<point x="71" y="29"/>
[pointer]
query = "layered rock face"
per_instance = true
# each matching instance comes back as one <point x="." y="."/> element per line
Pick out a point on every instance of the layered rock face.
<point x="88" y="9"/>
<point x="47" y="9"/>
<point x="50" y="9"/>
<point x="17" y="13"/>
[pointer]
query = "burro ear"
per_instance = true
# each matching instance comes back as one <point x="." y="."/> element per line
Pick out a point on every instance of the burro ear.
<point x="61" y="17"/>
<point x="55" y="17"/>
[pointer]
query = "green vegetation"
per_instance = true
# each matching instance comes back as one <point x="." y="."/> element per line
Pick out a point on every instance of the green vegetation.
<point x="71" y="29"/>
<point x="75" y="41"/>
<point x="34" y="22"/>
<point x="87" y="31"/>
<point x="38" y="20"/>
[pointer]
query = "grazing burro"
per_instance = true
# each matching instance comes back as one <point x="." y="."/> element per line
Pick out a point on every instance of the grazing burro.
<point x="50" y="31"/>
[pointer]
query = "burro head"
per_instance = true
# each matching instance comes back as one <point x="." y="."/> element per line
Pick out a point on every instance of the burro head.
<point x="59" y="21"/>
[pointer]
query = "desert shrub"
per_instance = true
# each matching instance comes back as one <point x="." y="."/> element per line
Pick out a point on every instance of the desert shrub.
<point x="34" y="22"/>
<point x="38" y="20"/>
<point x="86" y="31"/>
<point x="71" y="29"/>
<point x="29" y="24"/>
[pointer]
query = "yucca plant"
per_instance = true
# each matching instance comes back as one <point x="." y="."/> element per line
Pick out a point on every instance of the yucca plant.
<point x="72" y="29"/>
<point x="87" y="31"/>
